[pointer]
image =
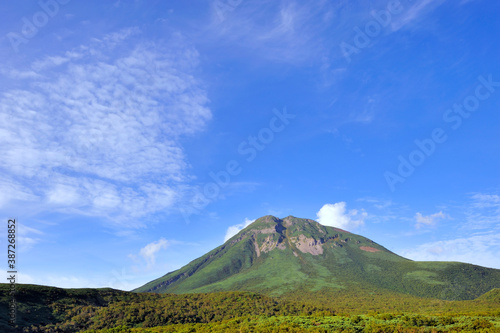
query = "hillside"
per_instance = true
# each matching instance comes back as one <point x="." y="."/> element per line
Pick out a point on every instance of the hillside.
<point x="49" y="309"/>
<point x="287" y="274"/>
<point x="301" y="259"/>
<point x="71" y="310"/>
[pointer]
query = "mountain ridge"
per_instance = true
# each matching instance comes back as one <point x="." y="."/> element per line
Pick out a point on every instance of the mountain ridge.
<point x="290" y="256"/>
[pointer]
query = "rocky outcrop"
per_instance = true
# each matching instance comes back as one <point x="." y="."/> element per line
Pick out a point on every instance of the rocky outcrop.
<point x="308" y="245"/>
<point x="369" y="249"/>
<point x="276" y="232"/>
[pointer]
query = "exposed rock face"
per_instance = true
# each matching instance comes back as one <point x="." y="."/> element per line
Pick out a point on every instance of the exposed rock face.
<point x="308" y="245"/>
<point x="257" y="249"/>
<point x="274" y="240"/>
<point x="369" y="249"/>
<point x="287" y="222"/>
<point x="290" y="255"/>
<point x="266" y="231"/>
<point x="319" y="229"/>
<point x="278" y="236"/>
<point x="269" y="244"/>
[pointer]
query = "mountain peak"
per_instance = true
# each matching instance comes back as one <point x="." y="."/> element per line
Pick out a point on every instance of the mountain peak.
<point x="269" y="233"/>
<point x="271" y="221"/>
<point x="287" y="222"/>
<point x="281" y="256"/>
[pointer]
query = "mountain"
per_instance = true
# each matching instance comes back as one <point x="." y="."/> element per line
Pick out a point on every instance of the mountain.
<point x="303" y="260"/>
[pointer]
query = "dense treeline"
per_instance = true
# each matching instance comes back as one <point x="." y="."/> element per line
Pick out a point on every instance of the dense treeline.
<point x="367" y="301"/>
<point x="368" y="324"/>
<point x="46" y="309"/>
<point x="172" y="309"/>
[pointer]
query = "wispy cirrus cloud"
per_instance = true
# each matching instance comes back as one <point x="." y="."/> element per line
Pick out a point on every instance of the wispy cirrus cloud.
<point x="308" y="31"/>
<point x="479" y="217"/>
<point x="146" y="257"/>
<point x="282" y="32"/>
<point x="14" y="191"/>
<point x="479" y="249"/>
<point x="483" y="211"/>
<point x="96" y="130"/>
<point x="376" y="202"/>
<point x="114" y="279"/>
<point x="414" y="12"/>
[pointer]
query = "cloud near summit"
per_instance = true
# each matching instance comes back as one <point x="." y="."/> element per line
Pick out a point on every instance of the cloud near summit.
<point x="234" y="229"/>
<point x="336" y="215"/>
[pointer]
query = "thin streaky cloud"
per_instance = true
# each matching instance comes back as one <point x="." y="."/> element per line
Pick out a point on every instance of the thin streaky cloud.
<point x="483" y="211"/>
<point x="477" y="249"/>
<point x="102" y="129"/>
<point x="415" y="12"/>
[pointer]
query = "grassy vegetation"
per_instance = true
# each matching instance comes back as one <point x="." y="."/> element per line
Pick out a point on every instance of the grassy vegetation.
<point x="261" y="281"/>
<point x="47" y="309"/>
<point x="324" y="324"/>
<point x="343" y="265"/>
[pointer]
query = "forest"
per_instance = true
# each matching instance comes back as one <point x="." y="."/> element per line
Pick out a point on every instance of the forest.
<point x="48" y="309"/>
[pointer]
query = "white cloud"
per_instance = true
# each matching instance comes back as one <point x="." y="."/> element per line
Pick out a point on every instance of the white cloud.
<point x="478" y="249"/>
<point x="13" y="191"/>
<point x="114" y="279"/>
<point x="27" y="237"/>
<point x="336" y="215"/>
<point x="96" y="131"/>
<point x="62" y="194"/>
<point x="17" y="74"/>
<point x="277" y="31"/>
<point x="483" y="211"/>
<point x="429" y="220"/>
<point x="414" y="12"/>
<point x="47" y="62"/>
<point x="149" y="251"/>
<point x="234" y="229"/>
<point x="21" y="277"/>
<point x="377" y="203"/>
<point x="486" y="200"/>
<point x="25" y="230"/>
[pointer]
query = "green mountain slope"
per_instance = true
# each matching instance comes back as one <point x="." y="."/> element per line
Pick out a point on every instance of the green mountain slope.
<point x="291" y="256"/>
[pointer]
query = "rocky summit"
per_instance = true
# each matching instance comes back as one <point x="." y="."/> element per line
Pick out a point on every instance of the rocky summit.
<point x="291" y="256"/>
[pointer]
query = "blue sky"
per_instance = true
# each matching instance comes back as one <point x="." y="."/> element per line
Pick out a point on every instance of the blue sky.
<point x="136" y="135"/>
